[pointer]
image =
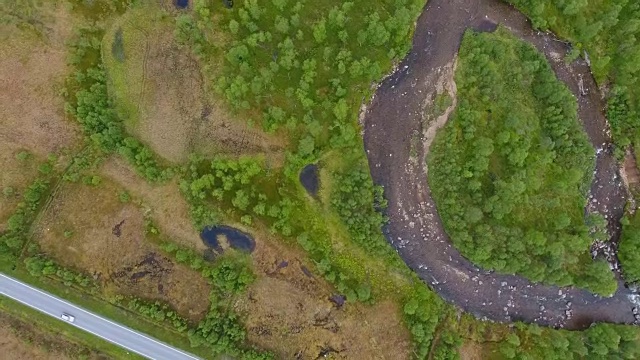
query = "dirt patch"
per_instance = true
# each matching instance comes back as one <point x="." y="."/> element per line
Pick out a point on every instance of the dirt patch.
<point x="159" y="92"/>
<point x="78" y="231"/>
<point x="170" y="103"/>
<point x="22" y="341"/>
<point x="470" y="350"/>
<point x="630" y="173"/>
<point x="163" y="203"/>
<point x="288" y="310"/>
<point x="32" y="69"/>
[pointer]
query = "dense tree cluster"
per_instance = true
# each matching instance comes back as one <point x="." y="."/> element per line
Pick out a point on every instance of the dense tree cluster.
<point x="359" y="203"/>
<point x="229" y="274"/>
<point x="423" y="311"/>
<point x="610" y="32"/>
<point x="40" y="265"/>
<point x="158" y="312"/>
<point x="14" y="237"/>
<point x="511" y="169"/>
<point x="94" y="111"/>
<point x="219" y="330"/>
<point x="601" y="341"/>
<point x="236" y="183"/>
<point x="629" y="249"/>
<point x="302" y="66"/>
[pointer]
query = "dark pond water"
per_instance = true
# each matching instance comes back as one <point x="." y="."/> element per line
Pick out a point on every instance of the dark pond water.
<point x="237" y="239"/>
<point x="309" y="179"/>
<point x="486" y="26"/>
<point x="182" y="4"/>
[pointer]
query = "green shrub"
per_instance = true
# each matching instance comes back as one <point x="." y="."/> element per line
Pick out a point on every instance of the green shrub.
<point x="17" y="229"/>
<point x="629" y="248"/>
<point x="359" y="203"/>
<point x="8" y="191"/>
<point x="23" y="155"/>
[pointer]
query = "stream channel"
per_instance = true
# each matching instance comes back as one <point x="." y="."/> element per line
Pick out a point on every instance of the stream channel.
<point x="396" y="113"/>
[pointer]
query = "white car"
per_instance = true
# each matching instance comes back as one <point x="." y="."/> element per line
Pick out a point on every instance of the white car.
<point x="68" y="317"/>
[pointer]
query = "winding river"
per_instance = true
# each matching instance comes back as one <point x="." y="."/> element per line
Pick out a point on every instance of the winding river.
<point x="394" y="117"/>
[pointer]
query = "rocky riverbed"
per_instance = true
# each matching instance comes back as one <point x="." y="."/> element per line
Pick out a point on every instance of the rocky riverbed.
<point x="398" y="113"/>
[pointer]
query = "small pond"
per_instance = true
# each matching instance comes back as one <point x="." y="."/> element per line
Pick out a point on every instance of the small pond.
<point x="309" y="179"/>
<point x="182" y="4"/>
<point x="237" y="239"/>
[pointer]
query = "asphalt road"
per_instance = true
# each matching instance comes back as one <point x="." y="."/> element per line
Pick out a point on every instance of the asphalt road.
<point x="90" y="322"/>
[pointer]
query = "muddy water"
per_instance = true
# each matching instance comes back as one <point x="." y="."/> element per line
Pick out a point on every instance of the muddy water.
<point x="415" y="230"/>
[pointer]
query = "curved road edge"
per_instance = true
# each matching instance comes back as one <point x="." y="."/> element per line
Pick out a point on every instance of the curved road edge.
<point x="92" y="323"/>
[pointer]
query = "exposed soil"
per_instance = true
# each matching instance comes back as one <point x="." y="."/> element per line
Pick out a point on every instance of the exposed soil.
<point x="171" y="101"/>
<point x="289" y="311"/>
<point x="162" y="203"/>
<point x="470" y="351"/>
<point x="415" y="229"/>
<point x="128" y="263"/>
<point x="32" y="70"/>
<point x="630" y="173"/>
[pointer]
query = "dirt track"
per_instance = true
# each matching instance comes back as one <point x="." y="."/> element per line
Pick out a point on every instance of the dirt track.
<point x="415" y="229"/>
